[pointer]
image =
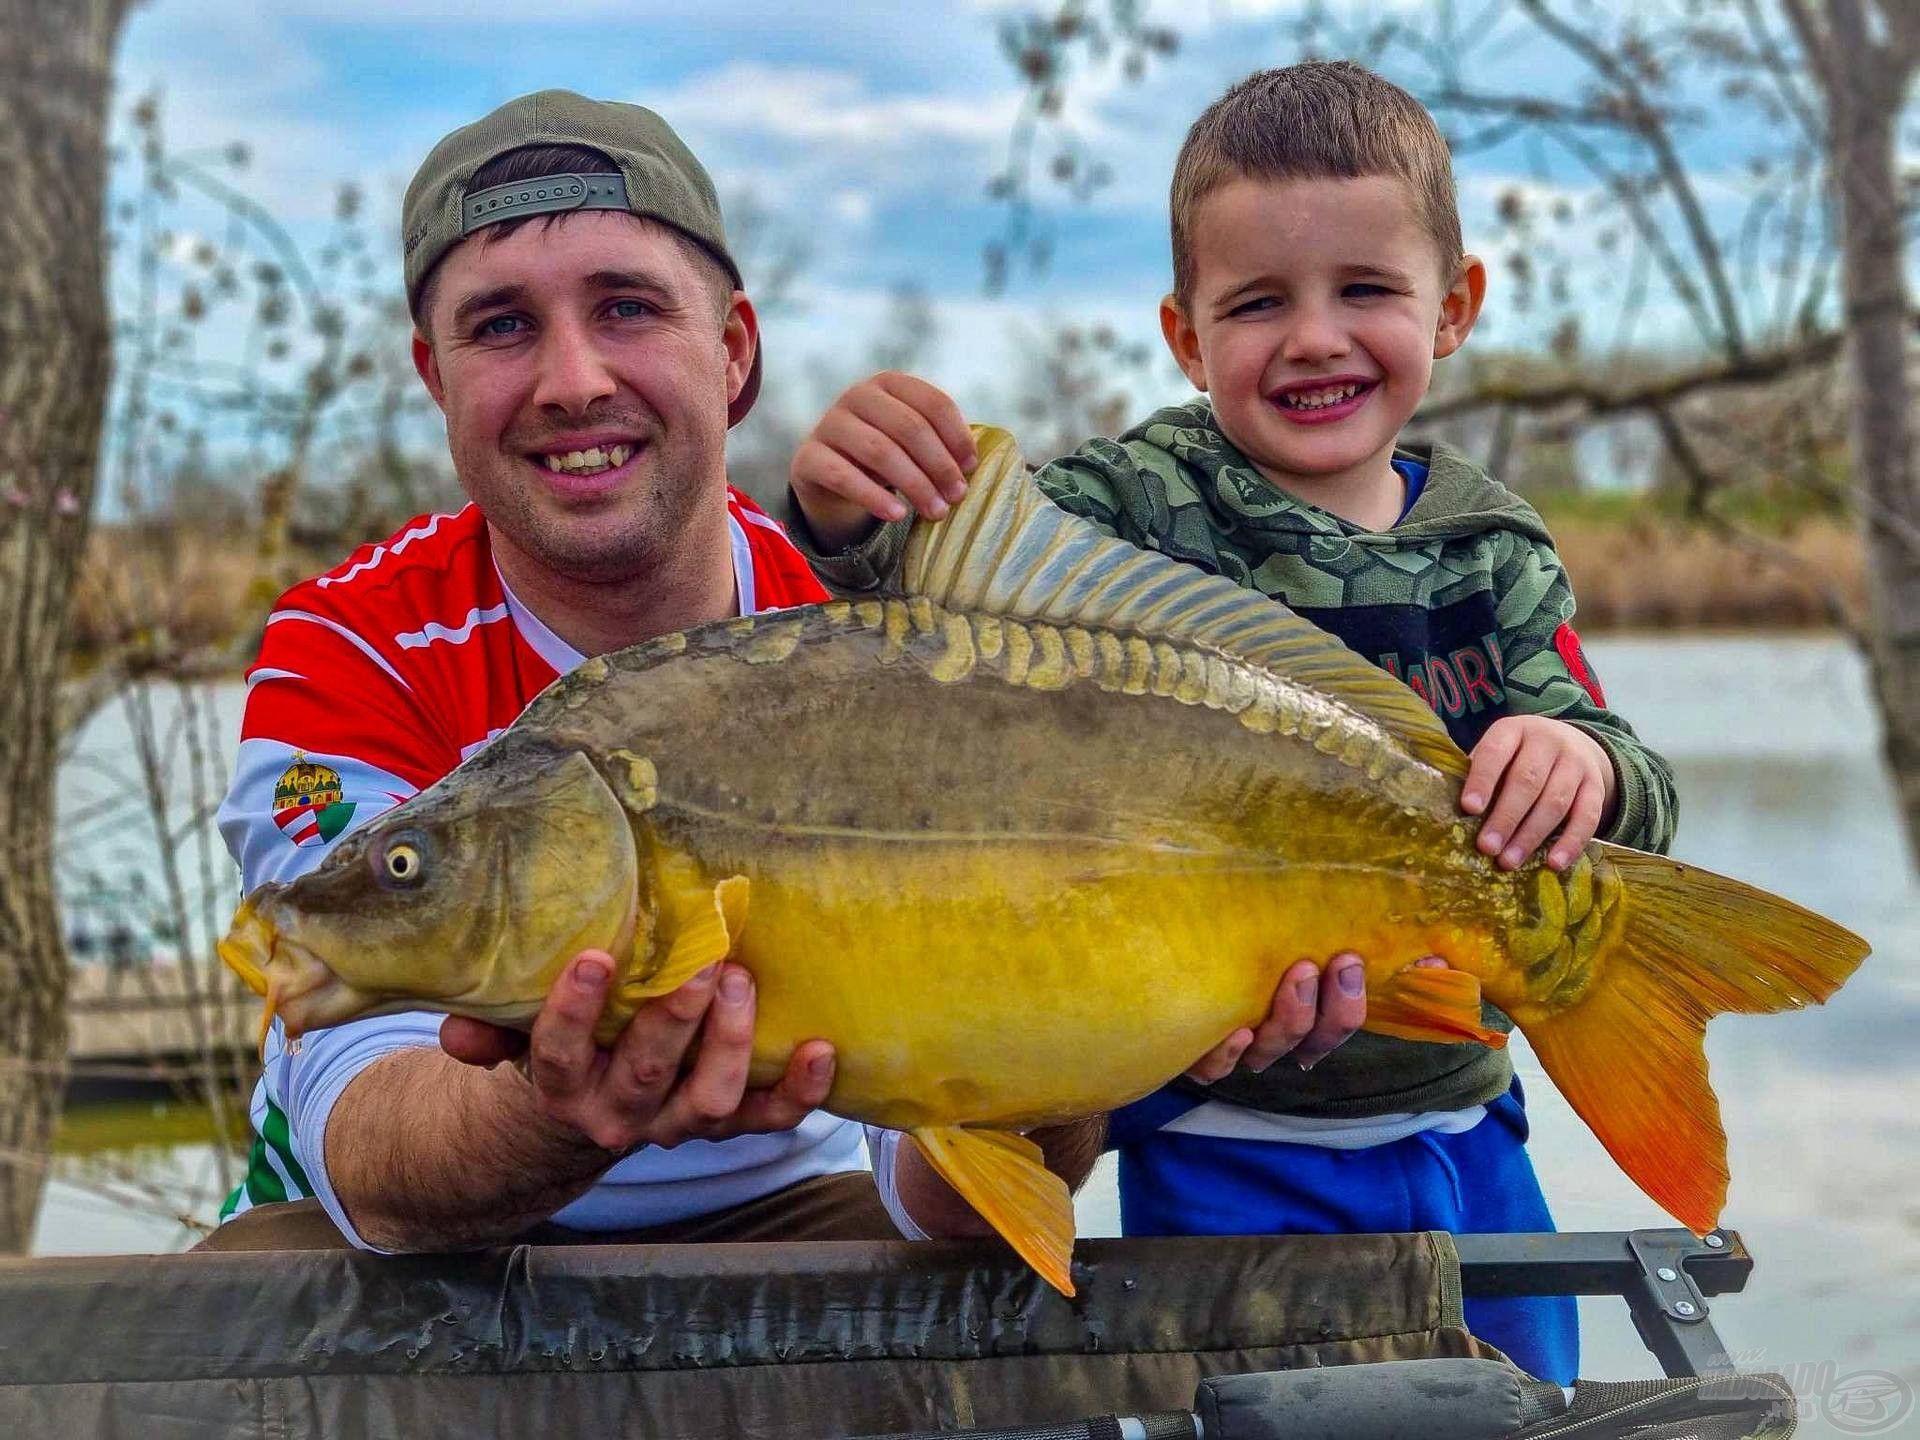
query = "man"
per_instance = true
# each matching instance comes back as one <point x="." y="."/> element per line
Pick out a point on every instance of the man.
<point x="581" y="325"/>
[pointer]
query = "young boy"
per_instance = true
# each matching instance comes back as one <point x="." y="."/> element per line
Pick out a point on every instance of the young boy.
<point x="1318" y="274"/>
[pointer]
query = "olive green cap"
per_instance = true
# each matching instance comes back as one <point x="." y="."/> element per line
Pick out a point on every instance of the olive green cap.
<point x="659" y="179"/>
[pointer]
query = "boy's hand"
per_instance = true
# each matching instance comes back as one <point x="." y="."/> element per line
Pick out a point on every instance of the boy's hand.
<point x="1312" y="1014"/>
<point x="889" y="433"/>
<point x="1538" y="772"/>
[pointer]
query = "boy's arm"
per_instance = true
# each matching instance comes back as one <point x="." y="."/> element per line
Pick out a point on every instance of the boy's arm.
<point x="897" y="433"/>
<point x="1547" y="673"/>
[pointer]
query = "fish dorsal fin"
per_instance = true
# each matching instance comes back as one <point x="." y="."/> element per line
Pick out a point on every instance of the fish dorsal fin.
<point x="1005" y="549"/>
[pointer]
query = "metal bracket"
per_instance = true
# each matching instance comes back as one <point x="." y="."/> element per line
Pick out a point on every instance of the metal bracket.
<point x="1669" y="1308"/>
<point x="1670" y="1313"/>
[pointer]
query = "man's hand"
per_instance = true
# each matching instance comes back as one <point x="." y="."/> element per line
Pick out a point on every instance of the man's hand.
<point x="1538" y="772"/>
<point x="1312" y="1014"/>
<point x="890" y="433"/>
<point x="652" y="1087"/>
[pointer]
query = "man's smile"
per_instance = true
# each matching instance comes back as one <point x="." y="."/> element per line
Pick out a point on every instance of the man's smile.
<point x="585" y="466"/>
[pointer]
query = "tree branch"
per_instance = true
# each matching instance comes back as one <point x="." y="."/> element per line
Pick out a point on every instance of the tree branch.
<point x="1652" y="132"/>
<point x="1597" y="399"/>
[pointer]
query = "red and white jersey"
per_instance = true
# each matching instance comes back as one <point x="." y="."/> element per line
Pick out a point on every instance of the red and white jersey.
<point x="373" y="681"/>
<point x="380" y="676"/>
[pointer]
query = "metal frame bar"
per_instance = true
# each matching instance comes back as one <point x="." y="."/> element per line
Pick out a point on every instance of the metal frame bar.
<point x="1663" y="1275"/>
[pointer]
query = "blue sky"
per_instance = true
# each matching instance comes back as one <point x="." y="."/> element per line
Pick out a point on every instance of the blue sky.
<point x="869" y="128"/>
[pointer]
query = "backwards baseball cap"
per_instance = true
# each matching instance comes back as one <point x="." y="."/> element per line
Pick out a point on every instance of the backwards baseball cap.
<point x="658" y="178"/>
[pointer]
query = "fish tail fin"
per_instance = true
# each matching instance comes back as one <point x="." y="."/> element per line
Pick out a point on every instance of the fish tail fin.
<point x="1005" y="1178"/>
<point x="1630" y="1057"/>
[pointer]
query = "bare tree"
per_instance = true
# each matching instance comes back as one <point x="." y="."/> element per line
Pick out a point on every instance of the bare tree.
<point x="1863" y="54"/>
<point x="55" y="79"/>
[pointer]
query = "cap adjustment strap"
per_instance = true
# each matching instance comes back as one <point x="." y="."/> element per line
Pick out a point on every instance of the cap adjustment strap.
<point x="543" y="196"/>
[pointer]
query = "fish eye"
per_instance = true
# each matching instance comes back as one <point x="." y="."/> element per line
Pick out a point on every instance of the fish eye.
<point x="402" y="862"/>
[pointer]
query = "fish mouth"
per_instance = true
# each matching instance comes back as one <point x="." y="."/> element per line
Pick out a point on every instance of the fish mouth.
<point x="277" y="967"/>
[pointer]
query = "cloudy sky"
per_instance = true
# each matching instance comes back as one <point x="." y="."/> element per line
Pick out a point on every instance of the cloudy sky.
<point x="868" y="129"/>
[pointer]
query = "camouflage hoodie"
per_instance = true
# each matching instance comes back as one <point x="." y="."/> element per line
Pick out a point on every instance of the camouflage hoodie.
<point x="1464" y="599"/>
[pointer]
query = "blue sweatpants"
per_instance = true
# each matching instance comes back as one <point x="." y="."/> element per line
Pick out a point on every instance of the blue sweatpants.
<point x="1477" y="1182"/>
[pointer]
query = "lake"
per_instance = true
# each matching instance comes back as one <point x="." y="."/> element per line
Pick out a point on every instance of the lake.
<point x="1782" y="785"/>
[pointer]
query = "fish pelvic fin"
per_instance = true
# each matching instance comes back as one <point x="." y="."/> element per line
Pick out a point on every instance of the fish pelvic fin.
<point x="1629" y="1055"/>
<point x="1004" y="1177"/>
<point x="1432" y="1004"/>
<point x="1006" y="549"/>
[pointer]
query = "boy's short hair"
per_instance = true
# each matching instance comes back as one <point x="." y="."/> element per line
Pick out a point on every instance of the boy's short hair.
<point x="1325" y="119"/>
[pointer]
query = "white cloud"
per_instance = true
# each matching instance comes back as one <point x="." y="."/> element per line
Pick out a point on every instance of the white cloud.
<point x="832" y="107"/>
<point x="851" y="207"/>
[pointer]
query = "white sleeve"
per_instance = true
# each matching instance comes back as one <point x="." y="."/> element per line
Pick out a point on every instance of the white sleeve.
<point x="321" y="1066"/>
<point x="884" y="1146"/>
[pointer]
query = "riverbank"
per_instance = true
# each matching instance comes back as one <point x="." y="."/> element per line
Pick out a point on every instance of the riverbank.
<point x="179" y="590"/>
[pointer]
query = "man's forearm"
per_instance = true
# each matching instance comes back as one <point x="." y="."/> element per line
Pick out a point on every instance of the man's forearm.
<point x="426" y="1153"/>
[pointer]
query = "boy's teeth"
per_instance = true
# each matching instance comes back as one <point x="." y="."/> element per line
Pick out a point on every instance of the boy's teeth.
<point x="1316" y="399"/>
<point x="590" y="462"/>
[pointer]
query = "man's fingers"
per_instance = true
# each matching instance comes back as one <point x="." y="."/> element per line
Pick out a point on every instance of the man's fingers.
<point x="797" y="1094"/>
<point x="1343" y="1009"/>
<point x="561" y="1056"/>
<point x="1554" y="804"/>
<point x="1487" y="763"/>
<point x="709" y="1094"/>
<point x="1296" y="1005"/>
<point x="646" y="1059"/>
<point x="1520" y="786"/>
<point x="474" y="1042"/>
<point x="1583" y="822"/>
<point x="940" y="411"/>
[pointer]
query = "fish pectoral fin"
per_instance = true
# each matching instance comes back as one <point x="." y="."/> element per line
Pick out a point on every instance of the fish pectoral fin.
<point x="1004" y="1177"/>
<point x="1432" y="1004"/>
<point x="708" y="924"/>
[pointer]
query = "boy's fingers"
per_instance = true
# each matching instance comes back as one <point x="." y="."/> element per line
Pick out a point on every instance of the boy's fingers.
<point x="1553" y="804"/>
<point x="1343" y="1009"/>
<point x="916" y="434"/>
<point x="820" y="467"/>
<point x="1218" y="1062"/>
<point x="1296" y="1006"/>
<point x="1487" y="763"/>
<point x="938" y="407"/>
<point x="1520" y="786"/>
<point x="873" y="450"/>
<point x="1583" y="822"/>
